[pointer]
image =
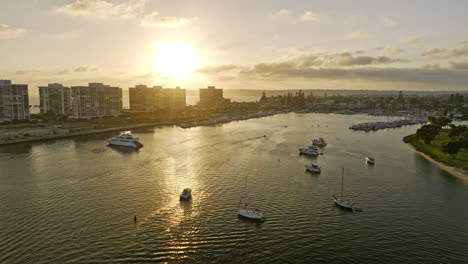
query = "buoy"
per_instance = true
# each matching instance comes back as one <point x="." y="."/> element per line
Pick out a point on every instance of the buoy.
<point x="134" y="219"/>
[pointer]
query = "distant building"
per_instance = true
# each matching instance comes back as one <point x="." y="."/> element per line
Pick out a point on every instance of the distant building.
<point x="212" y="98"/>
<point x="96" y="100"/>
<point x="55" y="98"/>
<point x="14" y="101"/>
<point x="145" y="99"/>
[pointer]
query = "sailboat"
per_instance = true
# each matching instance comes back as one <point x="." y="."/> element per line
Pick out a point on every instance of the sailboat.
<point x="246" y="211"/>
<point x="343" y="203"/>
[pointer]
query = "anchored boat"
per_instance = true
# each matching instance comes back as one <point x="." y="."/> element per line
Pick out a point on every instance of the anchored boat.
<point x="246" y="211"/>
<point x="319" y="142"/>
<point x="313" y="168"/>
<point x="349" y="205"/>
<point x="186" y="194"/>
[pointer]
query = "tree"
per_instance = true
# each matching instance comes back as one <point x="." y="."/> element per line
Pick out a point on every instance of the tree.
<point x="441" y="121"/>
<point x="451" y="147"/>
<point x="455" y="131"/>
<point x="428" y="133"/>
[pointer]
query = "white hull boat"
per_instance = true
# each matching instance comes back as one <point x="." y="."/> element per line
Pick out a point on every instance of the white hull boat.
<point x="125" y="140"/>
<point x="343" y="204"/>
<point x="349" y="205"/>
<point x="249" y="212"/>
<point x="313" y="168"/>
<point x="319" y="142"/>
<point x="308" y="151"/>
<point x="370" y="160"/>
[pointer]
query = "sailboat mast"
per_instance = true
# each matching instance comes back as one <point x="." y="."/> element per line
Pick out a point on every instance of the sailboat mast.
<point x="342" y="175"/>
<point x="245" y="187"/>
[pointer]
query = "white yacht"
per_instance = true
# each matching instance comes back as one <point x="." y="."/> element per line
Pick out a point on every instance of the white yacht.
<point x="249" y="212"/>
<point x="308" y="151"/>
<point x="313" y="168"/>
<point x="126" y="140"/>
<point x="319" y="142"/>
<point x="186" y="194"/>
<point x="370" y="160"/>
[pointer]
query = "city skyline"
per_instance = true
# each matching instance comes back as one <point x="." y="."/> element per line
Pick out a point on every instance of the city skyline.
<point x="265" y="45"/>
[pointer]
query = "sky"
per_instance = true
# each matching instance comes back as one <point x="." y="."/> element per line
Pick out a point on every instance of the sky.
<point x="261" y="44"/>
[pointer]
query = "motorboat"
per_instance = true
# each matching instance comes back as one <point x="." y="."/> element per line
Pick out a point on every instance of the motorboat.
<point x="313" y="168"/>
<point x="245" y="211"/>
<point x="319" y="142"/>
<point x="370" y="160"/>
<point x="308" y="151"/>
<point x="126" y="140"/>
<point x="186" y="194"/>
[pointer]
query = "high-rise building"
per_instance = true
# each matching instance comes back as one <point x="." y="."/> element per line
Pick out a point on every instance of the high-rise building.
<point x="212" y="98"/>
<point x="145" y="99"/>
<point x="14" y="101"/>
<point x="55" y="98"/>
<point x="96" y="100"/>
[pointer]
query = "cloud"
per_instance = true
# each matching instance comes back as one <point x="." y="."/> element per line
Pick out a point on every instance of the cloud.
<point x="309" y="16"/>
<point x="433" y="51"/>
<point x="464" y="43"/>
<point x="415" y="40"/>
<point x="457" y="52"/>
<point x="389" y="50"/>
<point x="281" y="13"/>
<point x="218" y="69"/>
<point x="446" y="53"/>
<point x="335" y="67"/>
<point x="394" y="51"/>
<point x="80" y="69"/>
<point x="458" y="65"/>
<point x="156" y="20"/>
<point x="6" y="32"/>
<point x="85" y="69"/>
<point x="357" y="34"/>
<point x="389" y="22"/>
<point x="24" y="72"/>
<point x="102" y="9"/>
<point x="346" y="59"/>
<point x="281" y="71"/>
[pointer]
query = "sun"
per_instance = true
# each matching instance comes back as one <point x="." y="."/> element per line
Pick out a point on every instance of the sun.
<point x="176" y="60"/>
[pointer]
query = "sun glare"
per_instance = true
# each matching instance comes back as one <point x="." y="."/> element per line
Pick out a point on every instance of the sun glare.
<point x="176" y="60"/>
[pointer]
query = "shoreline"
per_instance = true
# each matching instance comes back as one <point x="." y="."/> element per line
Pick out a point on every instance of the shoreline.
<point x="83" y="133"/>
<point x="213" y="121"/>
<point x="459" y="173"/>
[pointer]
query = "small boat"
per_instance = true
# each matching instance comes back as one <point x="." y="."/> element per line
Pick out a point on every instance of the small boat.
<point x="313" y="168"/>
<point x="126" y="140"/>
<point x="186" y="194"/>
<point x="308" y="151"/>
<point x="319" y="142"/>
<point x="370" y="160"/>
<point x="343" y="203"/>
<point x="246" y="211"/>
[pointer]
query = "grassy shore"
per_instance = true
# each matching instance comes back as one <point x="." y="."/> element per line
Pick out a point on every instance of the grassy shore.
<point x="457" y="165"/>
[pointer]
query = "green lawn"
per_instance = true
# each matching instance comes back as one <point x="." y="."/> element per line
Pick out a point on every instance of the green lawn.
<point x="435" y="152"/>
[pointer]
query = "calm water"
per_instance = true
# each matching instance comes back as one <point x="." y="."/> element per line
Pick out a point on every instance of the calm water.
<point x="73" y="200"/>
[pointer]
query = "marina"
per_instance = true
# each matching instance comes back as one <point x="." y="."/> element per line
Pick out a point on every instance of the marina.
<point x="373" y="126"/>
<point x="90" y="211"/>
